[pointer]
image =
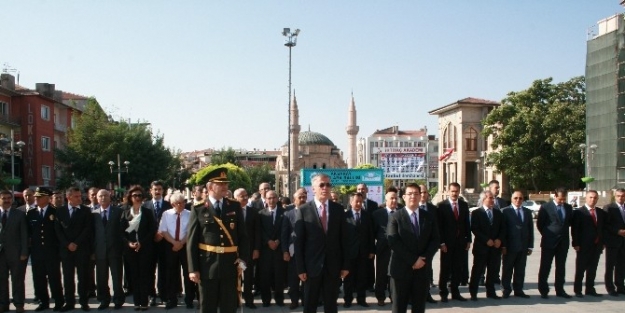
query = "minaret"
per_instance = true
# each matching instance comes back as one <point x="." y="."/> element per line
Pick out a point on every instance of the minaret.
<point x="294" y="128"/>
<point x="352" y="131"/>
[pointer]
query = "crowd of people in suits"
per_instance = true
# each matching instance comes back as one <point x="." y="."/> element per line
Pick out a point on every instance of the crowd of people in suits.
<point x="155" y="249"/>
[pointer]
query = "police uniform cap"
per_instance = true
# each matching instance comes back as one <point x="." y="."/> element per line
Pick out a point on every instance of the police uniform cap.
<point x="218" y="175"/>
<point x="42" y="191"/>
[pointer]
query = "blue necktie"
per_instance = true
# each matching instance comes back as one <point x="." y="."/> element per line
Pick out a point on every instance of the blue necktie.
<point x="561" y="213"/>
<point x="490" y="216"/>
<point x="518" y="213"/>
<point x="415" y="224"/>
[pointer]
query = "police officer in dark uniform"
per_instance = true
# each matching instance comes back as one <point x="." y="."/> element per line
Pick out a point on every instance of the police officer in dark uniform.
<point x="45" y="260"/>
<point x="217" y="243"/>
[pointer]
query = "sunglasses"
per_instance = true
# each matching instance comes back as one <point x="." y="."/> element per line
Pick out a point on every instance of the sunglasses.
<point x="323" y="185"/>
<point x="136" y="195"/>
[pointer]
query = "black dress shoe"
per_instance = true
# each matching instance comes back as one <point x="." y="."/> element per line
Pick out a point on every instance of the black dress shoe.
<point x="593" y="293"/>
<point x="363" y="304"/>
<point x="563" y="295"/>
<point x="621" y="291"/>
<point x="118" y="306"/>
<point x="85" y="307"/>
<point x="506" y="294"/>
<point x="67" y="308"/>
<point x="103" y="307"/>
<point x="153" y="301"/>
<point x="431" y="300"/>
<point x="280" y="304"/>
<point x="579" y="295"/>
<point x="521" y="295"/>
<point x="380" y="302"/>
<point x="170" y="305"/>
<point x="459" y="298"/>
<point x="293" y="306"/>
<point x="444" y="299"/>
<point x="473" y="298"/>
<point x="613" y="293"/>
<point x="266" y="305"/>
<point x="42" y="307"/>
<point x="347" y="305"/>
<point x="493" y="296"/>
<point x="57" y="307"/>
<point x="544" y="296"/>
<point x="250" y="305"/>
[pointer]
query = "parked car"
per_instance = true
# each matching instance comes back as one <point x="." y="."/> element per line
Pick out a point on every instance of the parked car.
<point x="533" y="205"/>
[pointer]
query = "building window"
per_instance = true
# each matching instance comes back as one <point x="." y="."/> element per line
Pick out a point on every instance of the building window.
<point x="4" y="108"/>
<point x="45" y="172"/>
<point x="449" y="136"/>
<point x="73" y="122"/>
<point x="45" y="112"/>
<point x="45" y="143"/>
<point x="315" y="165"/>
<point x="470" y="139"/>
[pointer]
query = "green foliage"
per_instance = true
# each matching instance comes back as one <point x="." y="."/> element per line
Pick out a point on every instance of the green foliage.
<point x="365" y="166"/>
<point x="237" y="176"/>
<point x="537" y="132"/>
<point x="433" y="191"/>
<point x="224" y="156"/>
<point x="345" y="190"/>
<point x="96" y="140"/>
<point x="260" y="174"/>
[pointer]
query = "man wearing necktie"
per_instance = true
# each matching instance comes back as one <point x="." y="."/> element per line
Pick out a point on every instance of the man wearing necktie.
<point x="455" y="238"/>
<point x="414" y="238"/>
<point x="615" y="245"/>
<point x="13" y="253"/>
<point x="370" y="206"/>
<point x="587" y="240"/>
<point x="271" y="264"/>
<point x="363" y="247"/>
<point x="288" y="246"/>
<point x="92" y="194"/>
<point x="158" y="205"/>
<point x="553" y="223"/>
<point x="517" y="245"/>
<point x="250" y="216"/>
<point x="29" y="198"/>
<point x="382" y="249"/>
<point x="321" y="247"/>
<point x="108" y="248"/>
<point x="425" y="204"/>
<point x="487" y="226"/>
<point x="74" y="229"/>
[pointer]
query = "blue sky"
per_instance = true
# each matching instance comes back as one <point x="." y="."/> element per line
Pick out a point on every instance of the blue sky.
<point x="212" y="74"/>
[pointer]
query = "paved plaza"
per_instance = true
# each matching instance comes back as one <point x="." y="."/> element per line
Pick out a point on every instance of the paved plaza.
<point x="511" y="305"/>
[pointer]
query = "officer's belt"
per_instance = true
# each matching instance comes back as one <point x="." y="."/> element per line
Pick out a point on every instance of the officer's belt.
<point x="218" y="249"/>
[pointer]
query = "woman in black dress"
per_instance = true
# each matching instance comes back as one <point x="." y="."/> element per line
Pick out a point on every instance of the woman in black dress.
<point x="139" y="227"/>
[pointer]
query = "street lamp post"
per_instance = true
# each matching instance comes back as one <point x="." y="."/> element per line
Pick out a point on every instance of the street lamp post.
<point x="426" y="159"/>
<point x="587" y="153"/>
<point x="119" y="170"/>
<point x="12" y="146"/>
<point x="291" y="41"/>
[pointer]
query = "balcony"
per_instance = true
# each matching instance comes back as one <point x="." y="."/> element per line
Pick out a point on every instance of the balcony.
<point x="59" y="127"/>
<point x="9" y="120"/>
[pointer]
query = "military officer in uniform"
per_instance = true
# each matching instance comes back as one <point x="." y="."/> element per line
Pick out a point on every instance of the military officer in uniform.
<point x="216" y="244"/>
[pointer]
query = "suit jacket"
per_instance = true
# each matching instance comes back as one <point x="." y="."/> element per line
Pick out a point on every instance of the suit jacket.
<point x="147" y="228"/>
<point x="25" y="207"/>
<point x="252" y="225"/>
<point x="258" y="204"/>
<point x="288" y="229"/>
<point x="43" y="239"/>
<point x="518" y="236"/>
<point x="203" y="228"/>
<point x="371" y="206"/>
<point x="432" y="209"/>
<point x="165" y="205"/>
<point x="452" y="230"/>
<point x="406" y="246"/>
<point x="364" y="241"/>
<point x="107" y="241"/>
<point x="484" y="230"/>
<point x="613" y="223"/>
<point x="14" y="235"/>
<point x="316" y="250"/>
<point x="270" y="229"/>
<point x="552" y="229"/>
<point x="380" y="222"/>
<point x="77" y="229"/>
<point x="500" y="203"/>
<point x="584" y="232"/>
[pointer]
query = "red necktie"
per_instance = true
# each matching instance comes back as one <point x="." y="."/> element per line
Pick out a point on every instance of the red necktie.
<point x="178" y="227"/>
<point x="594" y="220"/>
<point x="324" y="218"/>
<point x="456" y="211"/>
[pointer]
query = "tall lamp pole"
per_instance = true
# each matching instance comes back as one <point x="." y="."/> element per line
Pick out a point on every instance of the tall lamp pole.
<point x="291" y="41"/>
<point x="119" y="170"/>
<point x="12" y="146"/>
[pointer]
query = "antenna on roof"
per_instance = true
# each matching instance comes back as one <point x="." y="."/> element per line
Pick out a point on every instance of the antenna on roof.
<point x="6" y="68"/>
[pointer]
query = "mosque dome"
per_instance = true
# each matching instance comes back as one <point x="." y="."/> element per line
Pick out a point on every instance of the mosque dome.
<point x="310" y="138"/>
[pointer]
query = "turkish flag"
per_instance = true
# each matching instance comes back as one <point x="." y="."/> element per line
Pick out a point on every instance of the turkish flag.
<point x="447" y="154"/>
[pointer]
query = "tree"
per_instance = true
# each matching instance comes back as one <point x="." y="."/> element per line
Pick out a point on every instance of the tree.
<point x="536" y="133"/>
<point x="224" y="156"/>
<point x="260" y="174"/>
<point x="96" y="140"/>
<point x="237" y="176"/>
<point x="344" y="189"/>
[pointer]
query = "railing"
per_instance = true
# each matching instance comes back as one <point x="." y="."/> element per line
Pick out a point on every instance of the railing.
<point x="6" y="119"/>
<point x="59" y="127"/>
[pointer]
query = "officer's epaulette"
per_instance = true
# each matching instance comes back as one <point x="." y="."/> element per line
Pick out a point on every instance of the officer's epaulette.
<point x="198" y="203"/>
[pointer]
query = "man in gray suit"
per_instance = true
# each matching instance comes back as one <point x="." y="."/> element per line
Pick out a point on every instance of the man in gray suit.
<point x="13" y="252"/>
<point x="107" y="249"/>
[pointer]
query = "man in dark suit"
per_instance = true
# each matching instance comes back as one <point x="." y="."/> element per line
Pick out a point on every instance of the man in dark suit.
<point x="369" y="206"/>
<point x="271" y="264"/>
<point x="288" y="246"/>
<point x="259" y="203"/>
<point x="425" y="204"/>
<point x="217" y="244"/>
<point x="107" y="249"/>
<point x="29" y="200"/>
<point x="517" y="244"/>
<point x="614" y="235"/>
<point x="75" y="233"/>
<point x="494" y="188"/>
<point x="321" y="247"/>
<point x="158" y="205"/>
<point x="587" y="240"/>
<point x="414" y="238"/>
<point x="198" y="197"/>
<point x="455" y="235"/>
<point x="382" y="249"/>
<point x="13" y="252"/>
<point x="487" y="227"/>
<point x="92" y="194"/>
<point x="553" y="223"/>
<point x="250" y="216"/>
<point x="45" y="261"/>
<point x="361" y="224"/>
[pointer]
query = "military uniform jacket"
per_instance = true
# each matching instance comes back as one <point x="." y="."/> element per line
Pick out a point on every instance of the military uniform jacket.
<point x="43" y="240"/>
<point x="204" y="229"/>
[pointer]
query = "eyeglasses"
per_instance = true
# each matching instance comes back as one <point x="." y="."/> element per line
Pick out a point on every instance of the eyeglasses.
<point x="517" y="198"/>
<point x="411" y="194"/>
<point x="136" y="195"/>
<point x="323" y="185"/>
